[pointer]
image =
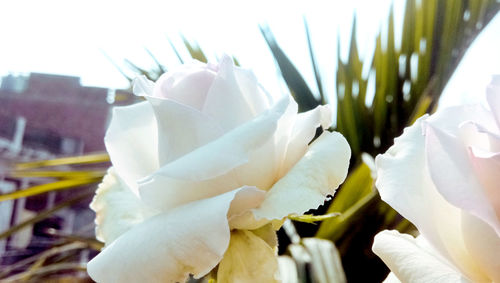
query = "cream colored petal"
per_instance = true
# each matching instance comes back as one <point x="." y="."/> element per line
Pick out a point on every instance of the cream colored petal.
<point x="117" y="208"/>
<point x="268" y="234"/>
<point x="250" y="197"/>
<point x="190" y="239"/>
<point x="248" y="259"/>
<point x="318" y="174"/>
<point x="410" y="263"/>
<point x="210" y="167"/>
<point x="131" y="141"/>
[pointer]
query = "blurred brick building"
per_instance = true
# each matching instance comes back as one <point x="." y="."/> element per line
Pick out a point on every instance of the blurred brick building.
<point x="45" y="116"/>
<point x="61" y="114"/>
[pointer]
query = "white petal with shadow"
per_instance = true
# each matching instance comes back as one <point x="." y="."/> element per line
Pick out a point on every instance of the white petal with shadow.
<point x="181" y="129"/>
<point x="265" y="162"/>
<point x="254" y="94"/>
<point x="302" y="133"/>
<point x="318" y="174"/>
<point x="404" y="182"/>
<point x="410" y="263"/>
<point x="117" y="208"/>
<point x="458" y="183"/>
<point x="190" y="239"/>
<point x="131" y="141"/>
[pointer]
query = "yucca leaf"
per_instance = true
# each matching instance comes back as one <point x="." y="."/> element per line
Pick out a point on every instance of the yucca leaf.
<point x="161" y="68"/>
<point x="312" y="57"/>
<point x="345" y="110"/>
<point x="296" y="83"/>
<point x="150" y="75"/>
<point x="393" y="97"/>
<point x="118" y="68"/>
<point x="236" y="62"/>
<point x="179" y="57"/>
<point x="427" y="14"/>
<point x="194" y="50"/>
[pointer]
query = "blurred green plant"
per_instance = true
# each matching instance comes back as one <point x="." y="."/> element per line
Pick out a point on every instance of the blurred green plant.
<point x="408" y="82"/>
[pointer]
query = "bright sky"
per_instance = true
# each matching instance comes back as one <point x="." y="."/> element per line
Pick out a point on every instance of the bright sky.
<point x="69" y="37"/>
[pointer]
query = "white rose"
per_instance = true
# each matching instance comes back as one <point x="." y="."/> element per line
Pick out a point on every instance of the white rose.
<point x="203" y="173"/>
<point x="443" y="174"/>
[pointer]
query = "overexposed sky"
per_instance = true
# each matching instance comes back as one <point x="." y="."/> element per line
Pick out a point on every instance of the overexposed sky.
<point x="71" y="37"/>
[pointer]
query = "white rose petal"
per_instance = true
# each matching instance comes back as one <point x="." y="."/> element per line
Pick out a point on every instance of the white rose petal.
<point x="142" y="86"/>
<point x="302" y="134"/>
<point x="322" y="169"/>
<point x="211" y="165"/>
<point x="190" y="239"/>
<point x="178" y="139"/>
<point x="258" y="100"/>
<point x="194" y="79"/>
<point x="410" y="262"/>
<point x="117" y="208"/>
<point x="457" y="184"/>
<point x="442" y="174"/>
<point x="132" y="142"/>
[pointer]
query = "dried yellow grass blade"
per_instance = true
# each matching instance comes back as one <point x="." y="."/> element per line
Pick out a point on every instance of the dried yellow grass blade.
<point x="83" y="159"/>
<point x="40" y="189"/>
<point x="58" y="174"/>
<point x="42" y="215"/>
<point x="45" y="254"/>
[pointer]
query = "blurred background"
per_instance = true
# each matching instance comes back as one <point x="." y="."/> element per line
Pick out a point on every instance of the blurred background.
<point x="65" y="64"/>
